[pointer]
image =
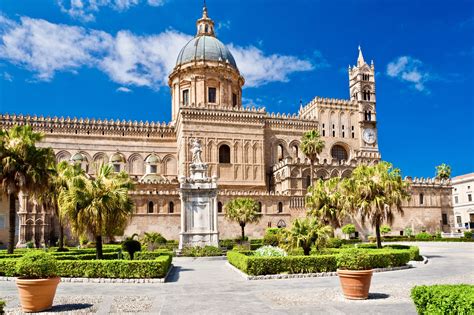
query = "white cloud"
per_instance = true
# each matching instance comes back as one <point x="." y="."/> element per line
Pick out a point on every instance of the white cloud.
<point x="46" y="48"/>
<point x="7" y="76"/>
<point x="124" y="89"/>
<point x="259" y="69"/>
<point x="410" y="70"/>
<point x="85" y="9"/>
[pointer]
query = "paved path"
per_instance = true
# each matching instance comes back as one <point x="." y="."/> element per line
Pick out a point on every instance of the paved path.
<point x="209" y="286"/>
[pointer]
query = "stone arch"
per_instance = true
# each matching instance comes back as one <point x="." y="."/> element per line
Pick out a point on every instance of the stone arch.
<point x="237" y="152"/>
<point x="135" y="164"/>
<point x="224" y="149"/>
<point x="295" y="148"/>
<point x="98" y="159"/>
<point x="170" y="167"/>
<point x="246" y="153"/>
<point x="256" y="153"/>
<point x="337" y="154"/>
<point x="280" y="150"/>
<point x="322" y="174"/>
<point x="334" y="173"/>
<point x="63" y="156"/>
<point x="211" y="151"/>
<point x="85" y="165"/>
<point x="346" y="173"/>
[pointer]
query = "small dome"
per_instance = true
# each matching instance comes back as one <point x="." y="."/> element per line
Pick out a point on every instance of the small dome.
<point x="152" y="159"/>
<point x="117" y="158"/>
<point x="77" y="158"/>
<point x="205" y="48"/>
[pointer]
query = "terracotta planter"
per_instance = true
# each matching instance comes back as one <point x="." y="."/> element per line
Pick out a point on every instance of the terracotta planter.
<point x="37" y="295"/>
<point x="355" y="283"/>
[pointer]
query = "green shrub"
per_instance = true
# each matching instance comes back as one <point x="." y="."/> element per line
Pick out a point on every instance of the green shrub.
<point x="408" y="232"/>
<point x="201" y="251"/>
<point x="228" y="244"/>
<point x="148" y="255"/>
<point x="153" y="240"/>
<point x="272" y="236"/>
<point x="422" y="236"/>
<point x="270" y="251"/>
<point x="36" y="265"/>
<point x="444" y="299"/>
<point x="384" y="229"/>
<point x="334" y="242"/>
<point x="2" y="306"/>
<point x="348" y="229"/>
<point x="8" y="267"/>
<point x="131" y="246"/>
<point x="298" y="251"/>
<point x="354" y="259"/>
<point x="468" y="234"/>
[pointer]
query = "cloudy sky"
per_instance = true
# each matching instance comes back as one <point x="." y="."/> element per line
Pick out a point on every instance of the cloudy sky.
<point x="111" y="59"/>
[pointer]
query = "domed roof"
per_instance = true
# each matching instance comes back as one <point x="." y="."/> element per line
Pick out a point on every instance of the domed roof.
<point x="152" y="159"/>
<point x="78" y="157"/>
<point x="207" y="48"/>
<point x="117" y="157"/>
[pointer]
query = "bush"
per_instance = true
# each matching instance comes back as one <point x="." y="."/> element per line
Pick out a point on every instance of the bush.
<point x="384" y="229"/>
<point x="272" y="236"/>
<point x="153" y="240"/>
<point x="2" y="305"/>
<point x="298" y="251"/>
<point x="354" y="259"/>
<point x="36" y="265"/>
<point x="333" y="243"/>
<point x="468" y="234"/>
<point x="422" y="236"/>
<point x="228" y="244"/>
<point x="201" y="251"/>
<point x="408" y="232"/>
<point x="131" y="246"/>
<point x="444" y="299"/>
<point x="270" y="251"/>
<point x="348" y="229"/>
<point x="149" y="255"/>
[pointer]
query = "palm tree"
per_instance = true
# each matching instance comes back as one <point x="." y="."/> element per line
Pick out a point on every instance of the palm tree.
<point x="443" y="171"/>
<point x="307" y="232"/>
<point x="94" y="205"/>
<point x="311" y="145"/>
<point x="64" y="174"/>
<point x="23" y="168"/>
<point x="242" y="211"/>
<point x="379" y="191"/>
<point x="325" y="201"/>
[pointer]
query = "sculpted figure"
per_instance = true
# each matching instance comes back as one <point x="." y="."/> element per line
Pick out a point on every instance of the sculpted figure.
<point x="196" y="151"/>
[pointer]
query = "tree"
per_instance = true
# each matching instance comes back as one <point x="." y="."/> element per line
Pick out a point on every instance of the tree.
<point x="23" y="168"/>
<point x="305" y="233"/>
<point x="311" y="145"/>
<point x="64" y="173"/>
<point x="379" y="191"/>
<point x="348" y="229"/>
<point x="324" y="201"/>
<point x="443" y="171"/>
<point x="242" y="211"/>
<point x="384" y="229"/>
<point x="93" y="205"/>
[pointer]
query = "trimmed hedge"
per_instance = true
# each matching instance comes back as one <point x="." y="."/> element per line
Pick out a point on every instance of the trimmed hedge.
<point x="413" y="239"/>
<point x="310" y="264"/>
<point x="444" y="299"/>
<point x="156" y="268"/>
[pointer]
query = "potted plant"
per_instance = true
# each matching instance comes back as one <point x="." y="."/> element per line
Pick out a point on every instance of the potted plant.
<point x="37" y="281"/>
<point x="355" y="273"/>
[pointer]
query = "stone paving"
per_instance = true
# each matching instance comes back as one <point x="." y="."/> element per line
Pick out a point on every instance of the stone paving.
<point x="210" y="286"/>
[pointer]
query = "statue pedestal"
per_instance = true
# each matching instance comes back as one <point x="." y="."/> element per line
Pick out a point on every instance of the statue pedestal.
<point x="198" y="208"/>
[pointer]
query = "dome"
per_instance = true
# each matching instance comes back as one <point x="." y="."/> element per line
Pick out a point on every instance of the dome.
<point x="205" y="48"/>
<point x="117" y="157"/>
<point x="152" y="159"/>
<point x="77" y="158"/>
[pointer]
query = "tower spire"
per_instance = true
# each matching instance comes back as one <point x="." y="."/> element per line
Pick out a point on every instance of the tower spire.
<point x="360" y="59"/>
<point x="205" y="25"/>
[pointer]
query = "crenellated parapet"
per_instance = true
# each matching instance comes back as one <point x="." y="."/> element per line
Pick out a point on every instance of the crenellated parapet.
<point x="251" y="193"/>
<point x="428" y="181"/>
<point x="87" y="126"/>
<point x="308" y="111"/>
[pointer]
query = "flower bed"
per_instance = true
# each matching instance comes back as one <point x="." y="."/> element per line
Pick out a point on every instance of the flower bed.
<point x="253" y="265"/>
<point x="444" y="299"/>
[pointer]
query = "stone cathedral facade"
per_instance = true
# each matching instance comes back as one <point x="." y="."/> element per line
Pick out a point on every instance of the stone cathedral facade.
<point x="252" y="152"/>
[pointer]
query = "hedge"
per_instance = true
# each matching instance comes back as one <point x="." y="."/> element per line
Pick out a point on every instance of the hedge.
<point x="156" y="268"/>
<point x="444" y="299"/>
<point x="413" y="239"/>
<point x="310" y="264"/>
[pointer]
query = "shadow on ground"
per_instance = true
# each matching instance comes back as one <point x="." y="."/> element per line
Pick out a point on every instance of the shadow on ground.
<point x="69" y="307"/>
<point x="174" y="274"/>
<point x="378" y="296"/>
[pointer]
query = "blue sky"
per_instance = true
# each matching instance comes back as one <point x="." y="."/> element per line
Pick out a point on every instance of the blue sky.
<point x="110" y="59"/>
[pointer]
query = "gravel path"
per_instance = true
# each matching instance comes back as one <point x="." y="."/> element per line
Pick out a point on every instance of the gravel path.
<point x="209" y="286"/>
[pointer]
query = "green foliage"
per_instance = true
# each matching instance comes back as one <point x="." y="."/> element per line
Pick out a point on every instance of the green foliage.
<point x="201" y="251"/>
<point x="306" y="233"/>
<point x="468" y="234"/>
<point x="377" y="258"/>
<point x="270" y="251"/>
<point x="325" y="201"/>
<point x="131" y="246"/>
<point x="408" y="232"/>
<point x="348" y="229"/>
<point x="227" y="243"/>
<point x="443" y="171"/>
<point x="354" y="259"/>
<point x="243" y="211"/>
<point x="153" y="240"/>
<point x="156" y="268"/>
<point x="444" y="299"/>
<point x="334" y="242"/>
<point x="36" y="265"/>
<point x="384" y="229"/>
<point x="2" y="306"/>
<point x="422" y="236"/>
<point x="272" y="236"/>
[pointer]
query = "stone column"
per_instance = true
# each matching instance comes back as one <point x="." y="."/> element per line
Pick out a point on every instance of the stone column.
<point x="22" y="217"/>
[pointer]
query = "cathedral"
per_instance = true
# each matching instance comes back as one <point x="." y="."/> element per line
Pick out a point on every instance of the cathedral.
<point x="252" y="152"/>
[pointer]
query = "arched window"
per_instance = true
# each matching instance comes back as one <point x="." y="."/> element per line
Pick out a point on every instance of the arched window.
<point x="281" y="224"/>
<point x="280" y="207"/>
<point x="307" y="181"/>
<point x="280" y="152"/>
<point x="224" y="154"/>
<point x="324" y="131"/>
<point x="421" y="199"/>
<point x="339" y="153"/>
<point x="150" y="207"/>
<point x="219" y="207"/>
<point x="295" y="151"/>
<point x="171" y="207"/>
<point x="259" y="209"/>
